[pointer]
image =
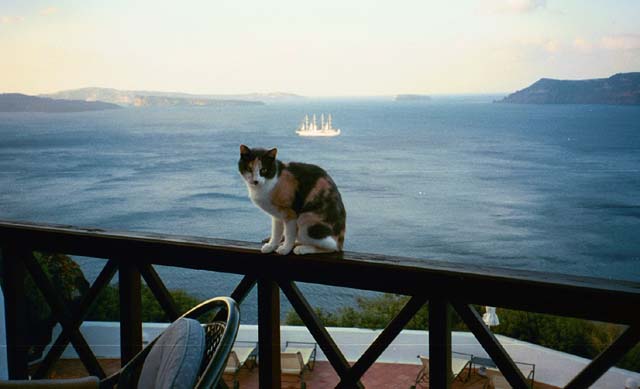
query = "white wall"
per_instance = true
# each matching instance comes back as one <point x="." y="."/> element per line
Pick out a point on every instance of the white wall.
<point x="552" y="367"/>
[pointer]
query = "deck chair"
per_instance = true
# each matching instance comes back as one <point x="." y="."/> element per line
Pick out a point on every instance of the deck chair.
<point x="528" y="370"/>
<point x="242" y="355"/>
<point x="297" y="358"/>
<point x="458" y="365"/>
<point x="423" y="373"/>
<point x="186" y="355"/>
<point x="291" y="363"/>
<point x="307" y="350"/>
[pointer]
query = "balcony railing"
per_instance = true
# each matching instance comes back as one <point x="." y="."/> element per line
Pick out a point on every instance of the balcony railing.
<point x="444" y="285"/>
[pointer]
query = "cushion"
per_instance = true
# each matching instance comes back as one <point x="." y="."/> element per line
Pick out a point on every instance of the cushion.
<point x="174" y="360"/>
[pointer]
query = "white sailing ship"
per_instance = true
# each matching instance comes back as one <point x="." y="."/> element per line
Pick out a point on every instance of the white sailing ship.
<point x="311" y="128"/>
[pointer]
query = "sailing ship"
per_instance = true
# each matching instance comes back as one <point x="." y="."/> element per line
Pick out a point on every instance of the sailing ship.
<point x="311" y="128"/>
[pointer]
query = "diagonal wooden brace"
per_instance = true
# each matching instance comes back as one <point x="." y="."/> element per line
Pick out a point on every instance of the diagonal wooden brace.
<point x="159" y="290"/>
<point x="607" y="358"/>
<point x="60" y="311"/>
<point x="319" y="333"/>
<point x="491" y="345"/>
<point x="64" y="337"/>
<point x="383" y="340"/>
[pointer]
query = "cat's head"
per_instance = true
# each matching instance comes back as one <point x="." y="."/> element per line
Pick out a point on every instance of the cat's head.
<point x="256" y="166"/>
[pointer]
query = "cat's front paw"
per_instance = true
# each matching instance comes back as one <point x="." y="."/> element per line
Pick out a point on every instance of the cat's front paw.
<point x="284" y="249"/>
<point x="268" y="248"/>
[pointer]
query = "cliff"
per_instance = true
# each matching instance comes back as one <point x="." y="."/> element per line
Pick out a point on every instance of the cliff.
<point x="161" y="101"/>
<point x="16" y="102"/>
<point x="621" y="88"/>
<point x="130" y="97"/>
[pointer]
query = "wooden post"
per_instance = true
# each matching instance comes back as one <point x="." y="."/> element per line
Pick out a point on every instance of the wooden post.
<point x="269" y="333"/>
<point x="130" y="311"/>
<point x="15" y="313"/>
<point x="439" y="344"/>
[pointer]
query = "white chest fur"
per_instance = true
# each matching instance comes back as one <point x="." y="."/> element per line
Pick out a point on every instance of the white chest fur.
<point x="261" y="197"/>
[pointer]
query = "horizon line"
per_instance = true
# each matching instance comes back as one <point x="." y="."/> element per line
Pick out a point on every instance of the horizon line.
<point x="198" y="94"/>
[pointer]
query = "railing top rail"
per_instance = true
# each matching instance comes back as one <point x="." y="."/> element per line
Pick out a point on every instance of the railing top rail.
<point x="587" y="297"/>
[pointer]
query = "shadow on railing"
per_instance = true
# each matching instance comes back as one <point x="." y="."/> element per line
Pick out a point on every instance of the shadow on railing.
<point x="444" y="285"/>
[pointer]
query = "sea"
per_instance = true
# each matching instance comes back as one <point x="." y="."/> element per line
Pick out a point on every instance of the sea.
<point x="553" y="188"/>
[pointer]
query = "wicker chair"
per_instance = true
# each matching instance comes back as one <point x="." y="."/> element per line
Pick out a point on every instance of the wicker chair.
<point x="219" y="338"/>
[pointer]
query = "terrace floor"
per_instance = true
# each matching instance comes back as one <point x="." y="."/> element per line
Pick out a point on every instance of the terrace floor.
<point x="379" y="376"/>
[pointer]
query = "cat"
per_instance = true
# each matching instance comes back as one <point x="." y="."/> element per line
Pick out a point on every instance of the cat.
<point x="303" y="201"/>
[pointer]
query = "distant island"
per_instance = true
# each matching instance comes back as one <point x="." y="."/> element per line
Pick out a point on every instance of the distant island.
<point x="17" y="102"/>
<point x="412" y="98"/>
<point x="621" y="88"/>
<point x="162" y="101"/>
<point x="138" y="98"/>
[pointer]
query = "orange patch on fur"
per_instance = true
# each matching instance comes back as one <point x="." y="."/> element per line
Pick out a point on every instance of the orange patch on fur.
<point x="283" y="194"/>
<point x="308" y="219"/>
<point x="321" y="185"/>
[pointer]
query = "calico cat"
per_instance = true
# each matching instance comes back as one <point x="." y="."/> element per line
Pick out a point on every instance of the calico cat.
<point x="302" y="200"/>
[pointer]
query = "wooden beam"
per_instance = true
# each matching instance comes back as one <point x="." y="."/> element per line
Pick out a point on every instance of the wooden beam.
<point x="269" y="334"/>
<point x="15" y="312"/>
<point x="317" y="330"/>
<point x="491" y="345"/>
<point x="159" y="290"/>
<point x="557" y="294"/>
<point x="79" y="314"/>
<point x="439" y="343"/>
<point x="607" y="358"/>
<point x="383" y="340"/>
<point x="130" y="310"/>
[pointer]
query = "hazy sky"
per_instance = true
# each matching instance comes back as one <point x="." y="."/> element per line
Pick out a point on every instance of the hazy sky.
<point x="322" y="47"/>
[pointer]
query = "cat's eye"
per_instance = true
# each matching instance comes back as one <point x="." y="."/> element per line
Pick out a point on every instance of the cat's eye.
<point x="263" y="171"/>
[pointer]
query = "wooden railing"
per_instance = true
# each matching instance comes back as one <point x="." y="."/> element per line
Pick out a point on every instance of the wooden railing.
<point x="444" y="285"/>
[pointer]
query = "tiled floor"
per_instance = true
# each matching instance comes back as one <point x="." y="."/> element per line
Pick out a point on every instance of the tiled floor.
<point x="379" y="376"/>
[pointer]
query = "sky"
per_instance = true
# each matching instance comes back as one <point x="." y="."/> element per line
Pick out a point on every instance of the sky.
<point x="313" y="48"/>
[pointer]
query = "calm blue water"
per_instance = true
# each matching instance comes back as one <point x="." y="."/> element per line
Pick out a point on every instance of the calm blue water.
<point x="550" y="188"/>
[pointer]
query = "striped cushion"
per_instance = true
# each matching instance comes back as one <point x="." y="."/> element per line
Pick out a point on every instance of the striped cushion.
<point x="174" y="360"/>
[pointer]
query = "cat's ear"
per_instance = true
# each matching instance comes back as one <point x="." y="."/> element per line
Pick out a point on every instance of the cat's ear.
<point x="244" y="150"/>
<point x="272" y="153"/>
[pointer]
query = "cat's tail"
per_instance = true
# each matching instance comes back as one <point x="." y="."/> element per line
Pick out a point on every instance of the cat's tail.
<point x="340" y="239"/>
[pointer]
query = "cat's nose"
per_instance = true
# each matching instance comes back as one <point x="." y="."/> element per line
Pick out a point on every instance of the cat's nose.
<point x="255" y="182"/>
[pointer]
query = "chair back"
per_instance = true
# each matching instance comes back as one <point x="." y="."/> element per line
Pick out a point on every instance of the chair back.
<point x="219" y="337"/>
<point x="291" y="363"/>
